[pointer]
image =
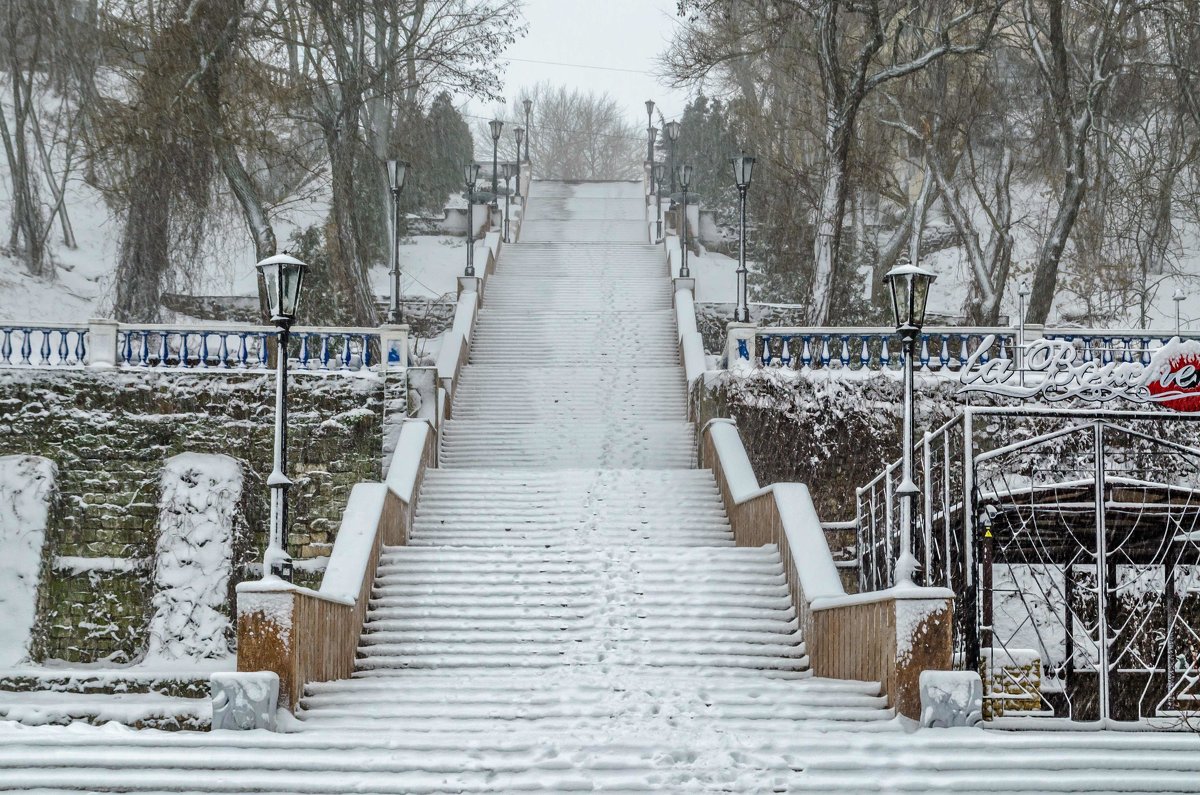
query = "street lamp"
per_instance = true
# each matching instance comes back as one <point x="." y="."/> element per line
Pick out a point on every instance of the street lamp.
<point x="519" y="132"/>
<point x="497" y="126"/>
<point x="910" y="291"/>
<point x="283" y="276"/>
<point x="397" y="173"/>
<point x="743" y="169"/>
<point x="650" y="131"/>
<point x="660" y="174"/>
<point x="672" y="129"/>
<point x="507" y="170"/>
<point x="528" y="103"/>
<point x="470" y="177"/>
<point x="685" y="182"/>
<point x="1178" y="299"/>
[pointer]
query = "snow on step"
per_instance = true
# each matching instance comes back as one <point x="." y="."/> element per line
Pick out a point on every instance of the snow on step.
<point x="574" y="392"/>
<point x="641" y="752"/>
<point x="152" y="710"/>
<point x="570" y="507"/>
<point x="642" y="444"/>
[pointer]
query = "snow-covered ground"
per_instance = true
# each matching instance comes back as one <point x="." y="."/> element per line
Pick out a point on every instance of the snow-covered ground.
<point x="26" y="487"/>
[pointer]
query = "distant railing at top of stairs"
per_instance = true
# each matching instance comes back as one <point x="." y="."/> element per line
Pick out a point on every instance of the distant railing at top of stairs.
<point x="215" y="347"/>
<point x="941" y="348"/>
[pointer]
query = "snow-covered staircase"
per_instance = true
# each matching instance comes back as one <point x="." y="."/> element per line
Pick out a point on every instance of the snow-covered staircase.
<point x="571" y="613"/>
<point x="569" y="571"/>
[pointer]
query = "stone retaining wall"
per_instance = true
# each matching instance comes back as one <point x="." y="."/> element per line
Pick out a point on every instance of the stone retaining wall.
<point x="110" y="431"/>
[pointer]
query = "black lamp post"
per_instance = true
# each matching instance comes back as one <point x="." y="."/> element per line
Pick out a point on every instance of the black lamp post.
<point x="910" y="291"/>
<point x="470" y="177"/>
<point x="519" y="132"/>
<point x="743" y="168"/>
<point x="650" y="131"/>
<point x="497" y="126"/>
<point x="660" y="174"/>
<point x="528" y="130"/>
<point x="685" y="182"/>
<point x="507" y="170"/>
<point x="283" y="276"/>
<point x="397" y="173"/>
<point x="672" y="129"/>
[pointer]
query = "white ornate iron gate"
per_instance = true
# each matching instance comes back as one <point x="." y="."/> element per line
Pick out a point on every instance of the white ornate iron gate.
<point x="1071" y="540"/>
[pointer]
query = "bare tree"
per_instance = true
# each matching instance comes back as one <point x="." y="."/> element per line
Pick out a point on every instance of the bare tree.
<point x="575" y="134"/>
<point x="1078" y="60"/>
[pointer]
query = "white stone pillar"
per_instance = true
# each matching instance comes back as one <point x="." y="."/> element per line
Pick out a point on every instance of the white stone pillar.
<point x="102" y="343"/>
<point x="736" y="333"/>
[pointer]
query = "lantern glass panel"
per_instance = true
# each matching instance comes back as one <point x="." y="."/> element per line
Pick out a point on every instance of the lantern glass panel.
<point x="283" y="277"/>
<point x="920" y="298"/>
<point x="743" y="168"/>
<point x="497" y="126"/>
<point x="685" y="176"/>
<point x="397" y="173"/>
<point x="290" y="283"/>
<point x="271" y="281"/>
<point x="909" y="287"/>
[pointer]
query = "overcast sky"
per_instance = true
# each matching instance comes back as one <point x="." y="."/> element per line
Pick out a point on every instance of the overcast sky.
<point x="623" y="36"/>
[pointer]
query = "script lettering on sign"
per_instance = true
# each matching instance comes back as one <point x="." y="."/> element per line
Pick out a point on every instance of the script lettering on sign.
<point x="1055" y="370"/>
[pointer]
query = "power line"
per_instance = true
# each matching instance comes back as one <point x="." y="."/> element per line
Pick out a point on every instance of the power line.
<point x="567" y="131"/>
<point x="585" y="66"/>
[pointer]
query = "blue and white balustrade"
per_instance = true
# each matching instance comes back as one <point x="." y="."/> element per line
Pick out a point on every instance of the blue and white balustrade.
<point x="160" y="347"/>
<point x="946" y="349"/>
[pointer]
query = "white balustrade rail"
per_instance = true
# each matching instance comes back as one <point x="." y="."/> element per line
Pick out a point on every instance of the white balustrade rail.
<point x="217" y="346"/>
<point x="941" y="348"/>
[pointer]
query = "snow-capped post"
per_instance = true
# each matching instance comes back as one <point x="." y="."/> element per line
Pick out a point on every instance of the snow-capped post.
<point x="284" y="278"/>
<point x="1178" y="299"/>
<point x="102" y="343"/>
<point x="910" y="290"/>
<point x="397" y="172"/>
<point x="393" y="347"/>
<point x="743" y="169"/>
<point x="739" y="343"/>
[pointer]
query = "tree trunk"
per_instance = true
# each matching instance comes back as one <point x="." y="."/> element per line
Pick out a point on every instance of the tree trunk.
<point x="145" y="247"/>
<point x="1045" y="275"/>
<point x="348" y="274"/>
<point x="828" y="241"/>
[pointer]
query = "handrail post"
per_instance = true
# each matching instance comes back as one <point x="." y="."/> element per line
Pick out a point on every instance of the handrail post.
<point x="737" y="337"/>
<point x="102" y="342"/>
<point x="393" y="347"/>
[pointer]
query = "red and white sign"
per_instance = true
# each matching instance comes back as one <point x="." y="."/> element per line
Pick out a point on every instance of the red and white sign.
<point x="1173" y="377"/>
<point x="1055" y="370"/>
